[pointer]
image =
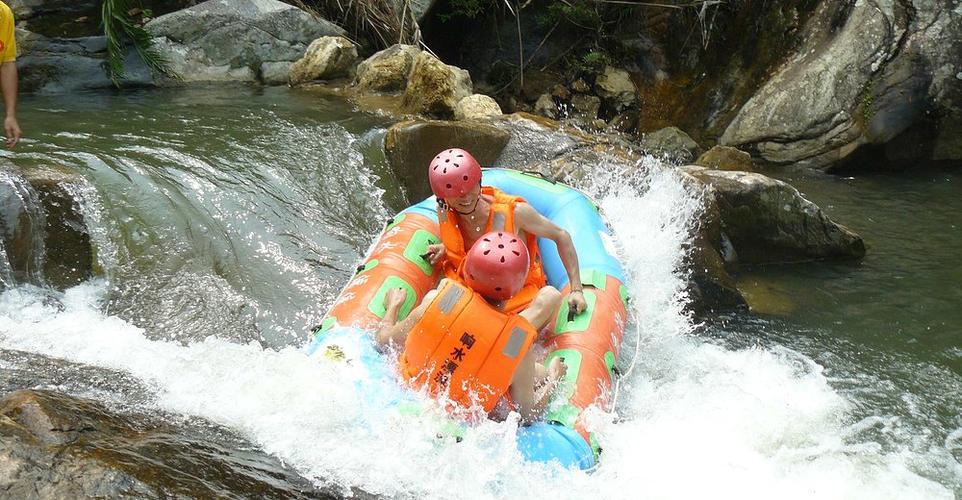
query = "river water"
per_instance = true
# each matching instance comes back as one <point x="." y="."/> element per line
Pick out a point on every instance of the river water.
<point x="226" y="220"/>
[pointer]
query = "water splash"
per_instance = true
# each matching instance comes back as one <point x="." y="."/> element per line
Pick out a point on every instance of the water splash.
<point x="22" y="229"/>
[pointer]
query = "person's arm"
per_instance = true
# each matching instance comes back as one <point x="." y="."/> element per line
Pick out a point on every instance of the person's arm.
<point x="8" y="84"/>
<point x="392" y="332"/>
<point x="530" y="221"/>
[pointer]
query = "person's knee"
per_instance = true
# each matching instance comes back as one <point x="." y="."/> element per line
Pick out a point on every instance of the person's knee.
<point x="550" y="296"/>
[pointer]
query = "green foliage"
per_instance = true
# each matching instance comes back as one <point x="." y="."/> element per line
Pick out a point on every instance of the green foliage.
<point x="581" y="14"/>
<point x="466" y="8"/>
<point x="120" y="29"/>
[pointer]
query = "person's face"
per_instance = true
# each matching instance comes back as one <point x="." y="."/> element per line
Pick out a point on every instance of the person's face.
<point x="467" y="202"/>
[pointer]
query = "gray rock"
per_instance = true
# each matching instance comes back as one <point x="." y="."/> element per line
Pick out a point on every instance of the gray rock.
<point x="887" y="69"/>
<point x="616" y="89"/>
<point x="435" y="88"/>
<point x="769" y="221"/>
<point x="275" y="73"/>
<point x="62" y="65"/>
<point x="671" y="142"/>
<point x="535" y="140"/>
<point x="221" y="40"/>
<point x="327" y="58"/>
<point x="57" y="446"/>
<point x="410" y="146"/>
<point x="387" y="70"/>
<point x="476" y="107"/>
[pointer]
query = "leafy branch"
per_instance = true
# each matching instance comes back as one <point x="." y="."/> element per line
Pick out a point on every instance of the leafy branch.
<point x="119" y="29"/>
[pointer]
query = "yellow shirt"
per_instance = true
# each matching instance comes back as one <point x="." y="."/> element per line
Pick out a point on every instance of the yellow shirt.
<point x="8" y="42"/>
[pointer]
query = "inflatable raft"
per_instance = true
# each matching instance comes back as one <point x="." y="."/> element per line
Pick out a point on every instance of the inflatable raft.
<point x="589" y="342"/>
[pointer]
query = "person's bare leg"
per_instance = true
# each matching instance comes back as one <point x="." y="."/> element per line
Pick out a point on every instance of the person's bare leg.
<point x="543" y="308"/>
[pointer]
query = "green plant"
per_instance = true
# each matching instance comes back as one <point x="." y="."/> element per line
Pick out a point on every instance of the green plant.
<point x="119" y="29"/>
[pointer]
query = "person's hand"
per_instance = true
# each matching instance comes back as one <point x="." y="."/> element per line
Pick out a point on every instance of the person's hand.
<point x="435" y="253"/>
<point x="576" y="302"/>
<point x="12" y="129"/>
<point x="394" y="298"/>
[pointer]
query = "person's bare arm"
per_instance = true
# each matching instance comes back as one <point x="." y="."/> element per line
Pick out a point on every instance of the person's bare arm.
<point x="393" y="332"/>
<point x="8" y="85"/>
<point x="530" y="221"/>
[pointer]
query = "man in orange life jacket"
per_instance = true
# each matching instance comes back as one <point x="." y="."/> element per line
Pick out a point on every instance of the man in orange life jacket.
<point x="460" y="343"/>
<point x="466" y="210"/>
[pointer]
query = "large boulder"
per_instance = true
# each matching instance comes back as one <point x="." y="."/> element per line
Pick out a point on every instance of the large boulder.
<point x="435" y="88"/>
<point x="57" y="446"/>
<point x="670" y="142"/>
<point x="768" y="221"/>
<point x="411" y="145"/>
<point x="534" y="140"/>
<point x="326" y="58"/>
<point x="476" y="107"/>
<point x="387" y="70"/>
<point x="873" y="80"/>
<point x="222" y="40"/>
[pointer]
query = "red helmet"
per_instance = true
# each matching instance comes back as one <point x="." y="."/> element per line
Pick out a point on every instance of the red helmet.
<point x="453" y="172"/>
<point x="497" y="265"/>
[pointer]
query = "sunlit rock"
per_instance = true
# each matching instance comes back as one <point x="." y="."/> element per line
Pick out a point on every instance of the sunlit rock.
<point x="867" y="87"/>
<point x="411" y="145"/>
<point x="222" y="40"/>
<point x="387" y="70"/>
<point x="476" y="107"/>
<point x="616" y="89"/>
<point x="726" y="158"/>
<point x="327" y="57"/>
<point x="435" y="88"/>
<point x="670" y="142"/>
<point x="769" y="221"/>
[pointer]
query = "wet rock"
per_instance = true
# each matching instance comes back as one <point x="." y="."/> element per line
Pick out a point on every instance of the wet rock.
<point x="220" y="40"/>
<point x="536" y="83"/>
<point x="326" y="58"/>
<point x="710" y="286"/>
<point x="58" y="446"/>
<point x="671" y="142"/>
<point x="44" y="235"/>
<point x="68" y="258"/>
<point x="545" y="106"/>
<point x="534" y="140"/>
<point x="67" y="64"/>
<point x="435" y="88"/>
<point x="476" y="107"/>
<point x="726" y="158"/>
<point x="387" y="70"/>
<point x="769" y="221"/>
<point x="410" y="146"/>
<point x="765" y="296"/>
<point x="884" y="70"/>
<point x="585" y="107"/>
<point x="626" y="121"/>
<point x="616" y="89"/>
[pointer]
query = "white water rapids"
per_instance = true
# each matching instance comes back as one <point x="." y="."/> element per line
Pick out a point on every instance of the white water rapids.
<point x="694" y="419"/>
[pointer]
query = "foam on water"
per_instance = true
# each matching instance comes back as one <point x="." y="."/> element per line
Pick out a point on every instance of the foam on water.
<point x="693" y="419"/>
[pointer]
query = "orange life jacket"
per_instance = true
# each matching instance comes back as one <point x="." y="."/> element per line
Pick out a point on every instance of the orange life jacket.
<point x="501" y="218"/>
<point x="465" y="347"/>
